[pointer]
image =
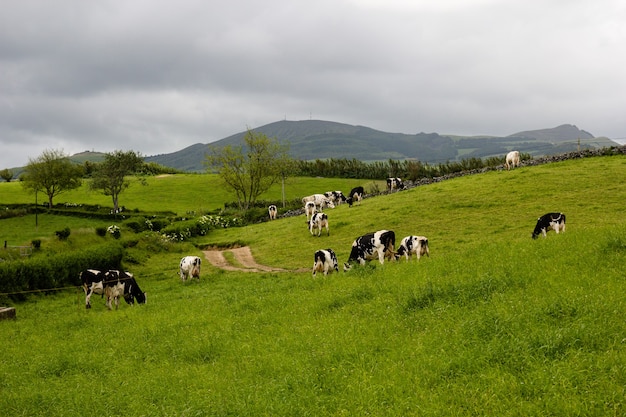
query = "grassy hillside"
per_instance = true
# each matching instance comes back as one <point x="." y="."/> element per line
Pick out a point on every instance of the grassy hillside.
<point x="493" y="323"/>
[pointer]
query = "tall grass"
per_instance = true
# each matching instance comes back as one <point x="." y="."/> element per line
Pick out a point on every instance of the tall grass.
<point x="493" y="323"/>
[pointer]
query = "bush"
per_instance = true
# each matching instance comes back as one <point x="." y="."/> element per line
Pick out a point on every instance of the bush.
<point x="36" y="243"/>
<point x="63" y="234"/>
<point x="101" y="231"/>
<point x="136" y="226"/>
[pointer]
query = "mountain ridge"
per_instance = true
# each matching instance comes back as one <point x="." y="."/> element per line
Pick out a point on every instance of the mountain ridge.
<point x="319" y="139"/>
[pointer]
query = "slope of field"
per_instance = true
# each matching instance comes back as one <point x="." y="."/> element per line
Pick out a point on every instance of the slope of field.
<point x="493" y="323"/>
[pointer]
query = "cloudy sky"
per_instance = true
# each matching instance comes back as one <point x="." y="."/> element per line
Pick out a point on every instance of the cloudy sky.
<point x="156" y="76"/>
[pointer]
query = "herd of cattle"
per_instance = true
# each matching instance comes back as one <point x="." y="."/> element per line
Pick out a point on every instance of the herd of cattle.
<point x="379" y="245"/>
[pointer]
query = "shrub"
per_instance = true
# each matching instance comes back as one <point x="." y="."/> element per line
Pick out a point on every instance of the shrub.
<point x="39" y="273"/>
<point x="63" y="234"/>
<point x="36" y="243"/>
<point x="101" y="231"/>
<point x="136" y="226"/>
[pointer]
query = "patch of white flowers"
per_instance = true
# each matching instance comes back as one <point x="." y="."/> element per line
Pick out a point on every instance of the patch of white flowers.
<point x="114" y="230"/>
<point x="206" y="223"/>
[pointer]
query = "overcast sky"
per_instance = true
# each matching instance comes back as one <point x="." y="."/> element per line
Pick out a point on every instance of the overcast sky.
<point x="157" y="76"/>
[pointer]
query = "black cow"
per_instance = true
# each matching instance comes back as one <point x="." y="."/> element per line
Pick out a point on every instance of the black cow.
<point x="356" y="194"/>
<point x="325" y="261"/>
<point x="366" y="247"/>
<point x="93" y="282"/>
<point x="336" y="197"/>
<point x="394" y="184"/>
<point x="554" y="221"/>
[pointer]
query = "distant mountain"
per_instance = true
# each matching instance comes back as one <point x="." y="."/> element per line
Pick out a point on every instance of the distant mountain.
<point x="563" y="133"/>
<point x="318" y="139"/>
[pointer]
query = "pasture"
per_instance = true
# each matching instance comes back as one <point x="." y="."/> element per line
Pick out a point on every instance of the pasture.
<point x="493" y="323"/>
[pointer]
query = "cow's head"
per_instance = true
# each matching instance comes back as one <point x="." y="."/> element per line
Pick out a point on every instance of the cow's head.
<point x="346" y="267"/>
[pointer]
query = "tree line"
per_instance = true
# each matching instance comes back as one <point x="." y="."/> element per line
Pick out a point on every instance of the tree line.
<point x="248" y="170"/>
<point x="412" y="170"/>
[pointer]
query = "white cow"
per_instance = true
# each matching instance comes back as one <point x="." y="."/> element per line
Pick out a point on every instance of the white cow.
<point x="309" y="210"/>
<point x="512" y="160"/>
<point x="318" y="221"/>
<point x="410" y="245"/>
<point x="190" y="267"/>
<point x="320" y="201"/>
<point x="325" y="261"/>
<point x="273" y="212"/>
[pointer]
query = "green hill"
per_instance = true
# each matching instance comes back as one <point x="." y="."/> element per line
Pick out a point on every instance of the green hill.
<point x="493" y="323"/>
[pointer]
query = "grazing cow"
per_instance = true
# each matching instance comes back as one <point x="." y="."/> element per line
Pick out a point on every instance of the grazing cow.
<point x="394" y="184"/>
<point x="93" y="282"/>
<point x="410" y="245"/>
<point x="554" y="221"/>
<point x="273" y="211"/>
<point x="512" y="160"/>
<point x="336" y="197"/>
<point x="190" y="267"/>
<point x="309" y="209"/>
<point x="320" y="201"/>
<point x="318" y="221"/>
<point x="122" y="283"/>
<point x="325" y="261"/>
<point x="368" y="246"/>
<point x="356" y="194"/>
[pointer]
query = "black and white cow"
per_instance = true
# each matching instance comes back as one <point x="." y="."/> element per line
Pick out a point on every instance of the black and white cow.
<point x="410" y="245"/>
<point x="93" y="283"/>
<point x="394" y="184"/>
<point x="356" y="194"/>
<point x="371" y="245"/>
<point x="111" y="284"/>
<point x="190" y="267"/>
<point x="309" y="209"/>
<point x="336" y="197"/>
<point x="122" y="283"/>
<point x="512" y="160"/>
<point x="325" y="261"/>
<point x="320" y="201"/>
<point x="318" y="221"/>
<point x="554" y="221"/>
<point x="273" y="211"/>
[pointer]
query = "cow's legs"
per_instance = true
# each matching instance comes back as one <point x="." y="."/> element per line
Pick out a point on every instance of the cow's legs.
<point x="88" y="298"/>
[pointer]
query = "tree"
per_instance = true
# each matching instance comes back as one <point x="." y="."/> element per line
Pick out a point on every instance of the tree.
<point x="251" y="169"/>
<point x="109" y="176"/>
<point x="6" y="174"/>
<point x="53" y="173"/>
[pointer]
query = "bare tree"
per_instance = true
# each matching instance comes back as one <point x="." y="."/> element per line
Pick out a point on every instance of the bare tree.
<point x="252" y="168"/>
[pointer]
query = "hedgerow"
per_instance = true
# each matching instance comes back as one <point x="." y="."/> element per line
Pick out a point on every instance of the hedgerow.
<point x="59" y="270"/>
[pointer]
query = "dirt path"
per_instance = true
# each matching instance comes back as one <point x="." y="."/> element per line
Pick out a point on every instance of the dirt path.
<point x="244" y="258"/>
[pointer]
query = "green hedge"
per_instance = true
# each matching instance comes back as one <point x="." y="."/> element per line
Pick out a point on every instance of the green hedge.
<point x="56" y="271"/>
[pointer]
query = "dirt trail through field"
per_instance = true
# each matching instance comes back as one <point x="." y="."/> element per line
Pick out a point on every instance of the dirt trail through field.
<point x="243" y="257"/>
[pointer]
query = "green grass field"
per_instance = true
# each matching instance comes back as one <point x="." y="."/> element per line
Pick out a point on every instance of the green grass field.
<point x="493" y="323"/>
